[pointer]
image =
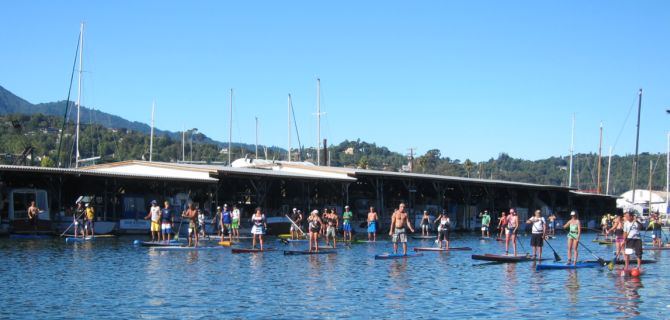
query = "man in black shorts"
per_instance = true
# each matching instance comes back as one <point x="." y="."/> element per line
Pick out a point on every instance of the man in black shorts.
<point x="539" y="231"/>
<point x="631" y="234"/>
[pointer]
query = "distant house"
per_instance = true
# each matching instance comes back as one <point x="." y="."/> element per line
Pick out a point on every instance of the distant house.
<point x="349" y="151"/>
<point x="656" y="201"/>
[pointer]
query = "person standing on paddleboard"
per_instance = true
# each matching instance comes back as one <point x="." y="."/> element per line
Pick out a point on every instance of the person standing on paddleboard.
<point x="617" y="230"/>
<point x="259" y="227"/>
<point x="235" y="226"/>
<point x="631" y="232"/>
<point x="372" y="224"/>
<point x="79" y="212"/>
<point x="399" y="220"/>
<point x="89" y="221"/>
<point x="155" y="216"/>
<point x="314" y="227"/>
<point x="656" y="226"/>
<point x="511" y="230"/>
<point x="574" y="233"/>
<point x="226" y="221"/>
<point x="192" y="215"/>
<point x="333" y="222"/>
<point x="347" y="215"/>
<point x="552" y="224"/>
<point x="166" y="221"/>
<point x="443" y="228"/>
<point x="538" y="232"/>
<point x="296" y="216"/>
<point x="425" y="224"/>
<point x="502" y="224"/>
<point x="486" y="222"/>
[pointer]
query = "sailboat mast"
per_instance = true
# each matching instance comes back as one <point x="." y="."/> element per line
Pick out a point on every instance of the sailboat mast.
<point x="288" y="153"/>
<point x="318" y="121"/>
<point x="667" y="176"/>
<point x="230" y="131"/>
<point x="183" y="144"/>
<point x="151" y="139"/>
<point x="651" y="169"/>
<point x="600" y="157"/>
<point x="637" y="144"/>
<point x="256" y="137"/>
<point x="81" y="50"/>
<point x="572" y="150"/>
<point x="609" y="167"/>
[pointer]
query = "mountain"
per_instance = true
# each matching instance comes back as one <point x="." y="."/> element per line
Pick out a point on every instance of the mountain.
<point x="12" y="104"/>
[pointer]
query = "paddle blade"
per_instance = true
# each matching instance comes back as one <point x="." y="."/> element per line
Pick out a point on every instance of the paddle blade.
<point x="610" y="266"/>
<point x="557" y="257"/>
<point x="601" y="261"/>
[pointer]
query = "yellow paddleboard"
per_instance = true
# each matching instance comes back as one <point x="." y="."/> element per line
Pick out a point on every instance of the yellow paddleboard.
<point x="225" y="243"/>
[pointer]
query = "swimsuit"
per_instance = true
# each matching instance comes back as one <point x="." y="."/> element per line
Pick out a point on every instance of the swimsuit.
<point x="443" y="230"/>
<point x="346" y="221"/>
<point x="399" y="235"/>
<point x="236" y="219"/>
<point x="258" y="225"/>
<point x="314" y="226"/>
<point x="573" y="232"/>
<point x="372" y="226"/>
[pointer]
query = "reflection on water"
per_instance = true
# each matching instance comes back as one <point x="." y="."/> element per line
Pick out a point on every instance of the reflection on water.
<point x="111" y="278"/>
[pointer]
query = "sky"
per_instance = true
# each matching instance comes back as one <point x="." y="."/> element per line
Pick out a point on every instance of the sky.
<point x="470" y="78"/>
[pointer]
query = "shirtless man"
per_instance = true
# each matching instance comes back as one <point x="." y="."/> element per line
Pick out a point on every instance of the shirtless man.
<point x="333" y="222"/>
<point x="399" y="220"/>
<point x="372" y="224"/>
<point x="192" y="214"/>
<point x="33" y="213"/>
<point x="512" y="230"/>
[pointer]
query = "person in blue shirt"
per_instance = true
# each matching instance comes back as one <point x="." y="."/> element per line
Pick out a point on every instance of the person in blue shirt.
<point x="226" y="221"/>
<point x="166" y="222"/>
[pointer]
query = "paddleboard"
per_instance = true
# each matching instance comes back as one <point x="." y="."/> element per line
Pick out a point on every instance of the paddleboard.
<point x="621" y="262"/>
<point x="500" y="258"/>
<point x="30" y="236"/>
<point x="306" y="252"/>
<point x="603" y="242"/>
<point x="443" y="249"/>
<point x="249" y="250"/>
<point x="499" y="239"/>
<point x="156" y="243"/>
<point x="183" y="248"/>
<point x="78" y="239"/>
<point x="97" y="236"/>
<point x="656" y="248"/>
<point x="388" y="256"/>
<point x="485" y="238"/>
<point x="225" y="243"/>
<point x="560" y="266"/>
<point x="297" y="241"/>
<point x="423" y="237"/>
<point x="369" y="241"/>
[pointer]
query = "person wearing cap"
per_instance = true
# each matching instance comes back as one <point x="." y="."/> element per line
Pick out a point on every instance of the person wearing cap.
<point x="296" y="217"/>
<point x="574" y="233"/>
<point x="89" y="219"/>
<point x="347" y="215"/>
<point x="486" y="222"/>
<point x="79" y="213"/>
<point x="226" y="221"/>
<point x="538" y="233"/>
<point x="633" y="241"/>
<point x="372" y="224"/>
<point x="425" y="224"/>
<point x="512" y="230"/>
<point x="166" y="221"/>
<point x="314" y="223"/>
<point x="155" y="216"/>
<point x="235" y="225"/>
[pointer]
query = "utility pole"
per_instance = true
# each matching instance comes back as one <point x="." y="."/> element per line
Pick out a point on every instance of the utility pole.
<point x="288" y="153"/>
<point x="183" y="143"/>
<point x="572" y="151"/>
<point x="230" y="131"/>
<point x="151" y="139"/>
<point x="600" y="154"/>
<point x="256" y="137"/>
<point x="318" y="121"/>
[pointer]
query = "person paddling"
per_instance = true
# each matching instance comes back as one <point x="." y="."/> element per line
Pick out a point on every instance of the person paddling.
<point x="399" y="220"/>
<point x="259" y="227"/>
<point x="372" y="224"/>
<point x="511" y="230"/>
<point x="78" y="215"/>
<point x="538" y="233"/>
<point x="631" y="232"/>
<point x="296" y="216"/>
<point x="226" y="221"/>
<point x="486" y="222"/>
<point x="192" y="215"/>
<point x="155" y="216"/>
<point x="314" y="228"/>
<point x="574" y="233"/>
<point x="443" y="228"/>
<point x="425" y="224"/>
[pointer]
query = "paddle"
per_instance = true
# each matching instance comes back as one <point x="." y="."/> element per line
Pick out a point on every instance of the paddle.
<point x="600" y="260"/>
<point x="176" y="236"/>
<point x="521" y="243"/>
<point x="295" y="225"/>
<point x="71" y="224"/>
<point x="556" y="256"/>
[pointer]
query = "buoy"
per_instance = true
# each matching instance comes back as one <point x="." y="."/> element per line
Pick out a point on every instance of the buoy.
<point x="635" y="272"/>
<point x="137" y="242"/>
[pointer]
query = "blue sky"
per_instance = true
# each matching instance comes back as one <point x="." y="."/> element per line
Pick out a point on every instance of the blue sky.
<point x="471" y="78"/>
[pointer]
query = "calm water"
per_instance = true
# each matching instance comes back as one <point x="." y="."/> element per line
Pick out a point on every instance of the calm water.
<point x="112" y="279"/>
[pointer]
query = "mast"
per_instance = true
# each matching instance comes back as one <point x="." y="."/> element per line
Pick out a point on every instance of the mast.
<point x="151" y="140"/>
<point x="256" y="137"/>
<point x="572" y="150"/>
<point x="81" y="50"/>
<point x="288" y="154"/>
<point x="651" y="168"/>
<point x="609" y="167"/>
<point x="183" y="143"/>
<point x="667" y="177"/>
<point x="318" y="121"/>
<point x="600" y="157"/>
<point x="230" y="131"/>
<point x="637" y="144"/>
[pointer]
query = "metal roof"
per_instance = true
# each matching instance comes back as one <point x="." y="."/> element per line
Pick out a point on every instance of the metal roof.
<point x="86" y="172"/>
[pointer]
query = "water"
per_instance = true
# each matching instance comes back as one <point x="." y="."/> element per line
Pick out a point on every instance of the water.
<point x="109" y="278"/>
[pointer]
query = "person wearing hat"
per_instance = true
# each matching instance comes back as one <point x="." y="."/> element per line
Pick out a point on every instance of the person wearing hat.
<point x="347" y="215"/>
<point x="226" y="221"/>
<point x="235" y="226"/>
<point x="633" y="241"/>
<point x="89" y="219"/>
<point x="486" y="222"/>
<point x="574" y="233"/>
<point x="314" y="222"/>
<point x="155" y="216"/>
<point x="296" y="217"/>
<point x="79" y="213"/>
<point x="538" y="233"/>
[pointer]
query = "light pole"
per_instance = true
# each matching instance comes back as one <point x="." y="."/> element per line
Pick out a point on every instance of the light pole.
<point x="192" y="132"/>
